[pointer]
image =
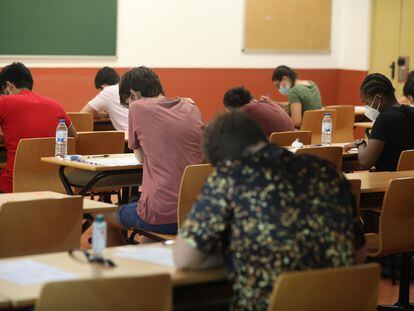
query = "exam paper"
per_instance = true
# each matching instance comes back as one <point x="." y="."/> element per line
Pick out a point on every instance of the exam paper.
<point x="26" y="272"/>
<point x="158" y="255"/>
<point x="112" y="161"/>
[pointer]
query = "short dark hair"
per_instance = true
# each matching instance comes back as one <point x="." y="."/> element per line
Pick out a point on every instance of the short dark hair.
<point x="408" y="88"/>
<point x="140" y="79"/>
<point x="18" y="74"/>
<point x="229" y="135"/>
<point x="410" y="76"/>
<point x="377" y="83"/>
<point x="237" y="97"/>
<point x="106" y="75"/>
<point x="283" y="70"/>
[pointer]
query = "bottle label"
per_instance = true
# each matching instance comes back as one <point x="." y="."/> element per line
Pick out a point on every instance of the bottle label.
<point x="327" y="128"/>
<point x="61" y="137"/>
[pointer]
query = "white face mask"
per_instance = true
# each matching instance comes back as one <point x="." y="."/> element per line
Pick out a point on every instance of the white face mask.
<point x="370" y="112"/>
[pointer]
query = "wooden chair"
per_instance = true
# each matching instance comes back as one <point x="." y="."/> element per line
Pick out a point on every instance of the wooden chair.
<point x="287" y="138"/>
<point x="30" y="173"/>
<point x="395" y="233"/>
<point x="332" y="154"/>
<point x="40" y="226"/>
<point x="339" y="289"/>
<point x="344" y="129"/>
<point x="82" y="121"/>
<point x="103" y="142"/>
<point x="152" y="292"/>
<point x="192" y="182"/>
<point x="406" y="161"/>
<point x="312" y="121"/>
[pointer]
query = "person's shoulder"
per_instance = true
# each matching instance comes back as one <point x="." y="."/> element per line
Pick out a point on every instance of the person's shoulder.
<point x="112" y="89"/>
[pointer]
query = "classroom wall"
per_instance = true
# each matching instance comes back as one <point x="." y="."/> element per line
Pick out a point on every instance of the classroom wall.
<point x="196" y="48"/>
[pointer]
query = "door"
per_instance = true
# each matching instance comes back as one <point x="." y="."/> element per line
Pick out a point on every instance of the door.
<point x="392" y="44"/>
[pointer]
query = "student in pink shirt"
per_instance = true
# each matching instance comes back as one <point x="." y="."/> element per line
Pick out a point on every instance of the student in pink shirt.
<point x="165" y="134"/>
<point x="269" y="116"/>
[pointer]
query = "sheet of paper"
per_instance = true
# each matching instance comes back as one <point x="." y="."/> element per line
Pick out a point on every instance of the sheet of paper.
<point x="26" y="272"/>
<point x="160" y="255"/>
<point x="112" y="161"/>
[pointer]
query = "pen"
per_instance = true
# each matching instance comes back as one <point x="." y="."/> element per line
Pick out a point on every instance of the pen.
<point x="98" y="156"/>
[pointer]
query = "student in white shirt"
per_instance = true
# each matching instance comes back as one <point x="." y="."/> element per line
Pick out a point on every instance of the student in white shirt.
<point x="107" y="100"/>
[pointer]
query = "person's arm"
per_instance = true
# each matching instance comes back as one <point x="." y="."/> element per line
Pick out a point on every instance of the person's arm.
<point x="72" y="132"/>
<point x="89" y="109"/>
<point x="368" y="154"/>
<point x="361" y="254"/>
<point x="188" y="257"/>
<point x="139" y="154"/>
<point x="296" y="114"/>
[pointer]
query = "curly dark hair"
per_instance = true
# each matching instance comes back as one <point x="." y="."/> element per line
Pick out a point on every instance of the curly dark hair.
<point x="229" y="135"/>
<point x="106" y="75"/>
<point x="18" y="74"/>
<point x="237" y="97"/>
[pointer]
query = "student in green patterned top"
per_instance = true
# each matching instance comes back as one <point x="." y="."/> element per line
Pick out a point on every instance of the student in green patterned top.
<point x="302" y="94"/>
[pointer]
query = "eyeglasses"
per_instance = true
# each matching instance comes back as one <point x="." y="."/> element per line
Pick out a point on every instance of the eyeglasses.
<point x="81" y="255"/>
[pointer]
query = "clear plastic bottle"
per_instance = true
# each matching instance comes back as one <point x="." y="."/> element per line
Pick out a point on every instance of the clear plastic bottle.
<point x="61" y="142"/>
<point x="98" y="236"/>
<point x="326" y="138"/>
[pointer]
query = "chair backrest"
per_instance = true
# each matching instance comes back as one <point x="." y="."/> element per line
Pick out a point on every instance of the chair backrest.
<point x="192" y="182"/>
<point x="339" y="289"/>
<point x="312" y="121"/>
<point x="332" y="154"/>
<point x="344" y="129"/>
<point x="406" y="161"/>
<point x="397" y="217"/>
<point x="103" y="142"/>
<point x="356" y="189"/>
<point x="152" y="292"/>
<point x="30" y="173"/>
<point x="287" y="138"/>
<point x="40" y="226"/>
<point x="82" y="121"/>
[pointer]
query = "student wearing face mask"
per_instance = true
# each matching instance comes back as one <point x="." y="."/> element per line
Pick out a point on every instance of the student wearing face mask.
<point x="302" y="94"/>
<point x="393" y="129"/>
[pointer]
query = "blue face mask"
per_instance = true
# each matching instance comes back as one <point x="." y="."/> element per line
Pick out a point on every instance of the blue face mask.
<point x="284" y="90"/>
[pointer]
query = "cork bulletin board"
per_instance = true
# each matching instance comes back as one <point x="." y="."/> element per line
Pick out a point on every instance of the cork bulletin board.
<point x="288" y="26"/>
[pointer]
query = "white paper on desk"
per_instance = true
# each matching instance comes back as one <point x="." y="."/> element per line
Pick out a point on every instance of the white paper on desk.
<point x="26" y="271"/>
<point x="161" y="255"/>
<point x="122" y="161"/>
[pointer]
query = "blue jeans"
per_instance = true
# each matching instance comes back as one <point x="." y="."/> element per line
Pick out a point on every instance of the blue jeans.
<point x="129" y="218"/>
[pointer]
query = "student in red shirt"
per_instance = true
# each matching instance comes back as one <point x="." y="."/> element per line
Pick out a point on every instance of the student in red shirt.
<point x="269" y="116"/>
<point x="165" y="134"/>
<point x="23" y="114"/>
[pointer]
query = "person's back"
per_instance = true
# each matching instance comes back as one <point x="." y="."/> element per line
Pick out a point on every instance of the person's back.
<point x="24" y="114"/>
<point x="267" y="211"/>
<point x="394" y="126"/>
<point x="271" y="117"/>
<point x="169" y="132"/>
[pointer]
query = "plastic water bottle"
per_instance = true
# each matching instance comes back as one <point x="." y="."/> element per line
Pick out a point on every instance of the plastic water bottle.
<point x="61" y="142"/>
<point x="327" y="130"/>
<point x="98" y="236"/>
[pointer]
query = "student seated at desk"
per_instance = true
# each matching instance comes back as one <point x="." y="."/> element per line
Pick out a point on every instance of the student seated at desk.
<point x="107" y="100"/>
<point x="266" y="211"/>
<point x="393" y="129"/>
<point x="302" y="94"/>
<point x="408" y="91"/>
<point x="165" y="134"/>
<point x="269" y="116"/>
<point x="24" y="114"/>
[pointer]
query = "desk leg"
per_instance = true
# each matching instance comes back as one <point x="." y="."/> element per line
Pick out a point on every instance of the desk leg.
<point x="64" y="180"/>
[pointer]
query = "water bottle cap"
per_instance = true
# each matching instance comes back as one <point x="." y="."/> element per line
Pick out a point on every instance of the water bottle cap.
<point x="99" y="218"/>
<point x="327" y="114"/>
<point x="62" y="121"/>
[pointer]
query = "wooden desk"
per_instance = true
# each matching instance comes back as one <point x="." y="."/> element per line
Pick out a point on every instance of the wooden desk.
<point x="103" y="124"/>
<point x="89" y="206"/>
<point x="102" y="171"/>
<point x="372" y="182"/>
<point x="26" y="295"/>
<point x="359" y="110"/>
<point x="346" y="155"/>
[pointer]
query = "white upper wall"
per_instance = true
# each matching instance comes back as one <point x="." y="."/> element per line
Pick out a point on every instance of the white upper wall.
<point x="209" y="34"/>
